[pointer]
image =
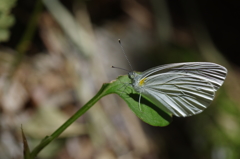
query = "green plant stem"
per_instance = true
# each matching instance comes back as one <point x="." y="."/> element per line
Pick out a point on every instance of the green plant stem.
<point x="79" y="113"/>
<point x="31" y="28"/>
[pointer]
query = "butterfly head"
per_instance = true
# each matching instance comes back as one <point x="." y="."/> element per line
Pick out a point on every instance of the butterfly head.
<point x="132" y="75"/>
<point x="136" y="80"/>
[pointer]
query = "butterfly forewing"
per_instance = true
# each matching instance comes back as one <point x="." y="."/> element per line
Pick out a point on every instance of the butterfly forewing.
<point x="183" y="89"/>
<point x="212" y="72"/>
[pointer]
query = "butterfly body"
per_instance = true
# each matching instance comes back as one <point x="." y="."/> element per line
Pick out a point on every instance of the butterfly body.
<point x="183" y="89"/>
<point x="137" y="82"/>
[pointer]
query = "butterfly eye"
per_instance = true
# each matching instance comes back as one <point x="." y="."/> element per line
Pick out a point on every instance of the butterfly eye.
<point x="131" y="75"/>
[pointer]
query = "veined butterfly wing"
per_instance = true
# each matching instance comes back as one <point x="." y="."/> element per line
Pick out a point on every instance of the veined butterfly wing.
<point x="184" y="89"/>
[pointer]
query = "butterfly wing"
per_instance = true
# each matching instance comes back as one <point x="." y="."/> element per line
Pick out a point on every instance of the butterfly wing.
<point x="184" y="89"/>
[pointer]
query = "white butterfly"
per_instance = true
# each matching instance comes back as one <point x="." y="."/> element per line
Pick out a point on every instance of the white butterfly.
<point x="183" y="89"/>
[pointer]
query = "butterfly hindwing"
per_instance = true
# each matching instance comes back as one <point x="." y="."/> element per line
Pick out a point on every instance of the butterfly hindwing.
<point x="183" y="89"/>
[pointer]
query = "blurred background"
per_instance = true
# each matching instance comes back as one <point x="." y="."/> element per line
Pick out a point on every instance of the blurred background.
<point x="55" y="55"/>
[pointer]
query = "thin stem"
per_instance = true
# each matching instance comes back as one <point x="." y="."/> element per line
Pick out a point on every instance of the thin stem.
<point x="31" y="28"/>
<point x="26" y="151"/>
<point x="79" y="113"/>
<point x="27" y="37"/>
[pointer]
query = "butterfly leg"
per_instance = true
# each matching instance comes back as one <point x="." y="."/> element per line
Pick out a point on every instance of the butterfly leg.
<point x="125" y="85"/>
<point x="139" y="103"/>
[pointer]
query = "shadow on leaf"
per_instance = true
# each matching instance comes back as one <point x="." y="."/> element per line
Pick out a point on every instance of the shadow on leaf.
<point x="146" y="102"/>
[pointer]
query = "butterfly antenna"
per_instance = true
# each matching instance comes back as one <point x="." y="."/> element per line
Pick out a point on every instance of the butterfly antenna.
<point x="121" y="68"/>
<point x="119" y="41"/>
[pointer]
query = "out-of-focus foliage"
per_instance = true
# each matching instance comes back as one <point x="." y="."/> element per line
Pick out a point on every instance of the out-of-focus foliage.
<point x="6" y="19"/>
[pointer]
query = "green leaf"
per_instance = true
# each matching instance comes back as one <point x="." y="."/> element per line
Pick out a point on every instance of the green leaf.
<point x="150" y="113"/>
